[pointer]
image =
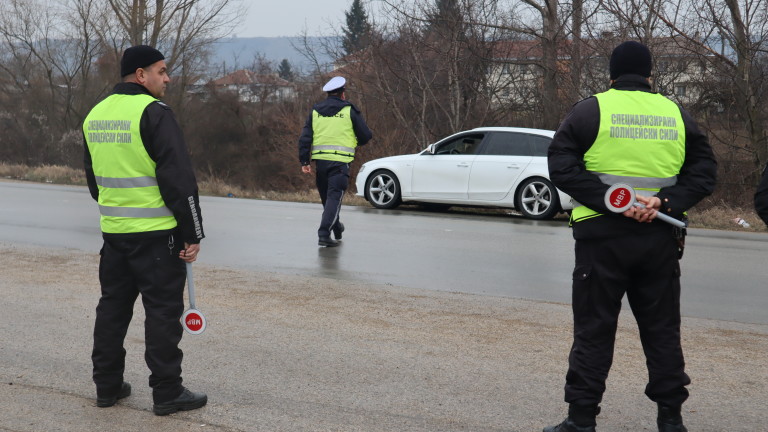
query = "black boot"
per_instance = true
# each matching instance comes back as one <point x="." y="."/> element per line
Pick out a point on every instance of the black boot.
<point x="670" y="419"/>
<point x="337" y="230"/>
<point x="327" y="242"/>
<point x="186" y="401"/>
<point x="109" y="400"/>
<point x="581" y="418"/>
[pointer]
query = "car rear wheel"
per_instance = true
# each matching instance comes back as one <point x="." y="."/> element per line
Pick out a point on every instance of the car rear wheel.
<point x="537" y="198"/>
<point x="383" y="190"/>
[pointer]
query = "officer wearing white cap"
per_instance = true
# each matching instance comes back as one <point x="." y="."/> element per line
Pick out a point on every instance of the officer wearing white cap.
<point x="335" y="83"/>
<point x="330" y="136"/>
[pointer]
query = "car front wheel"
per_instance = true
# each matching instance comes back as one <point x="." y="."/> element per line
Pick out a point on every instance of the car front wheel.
<point x="383" y="190"/>
<point x="537" y="199"/>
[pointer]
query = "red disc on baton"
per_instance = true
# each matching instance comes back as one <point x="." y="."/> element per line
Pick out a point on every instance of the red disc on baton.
<point x="193" y="321"/>
<point x="619" y="198"/>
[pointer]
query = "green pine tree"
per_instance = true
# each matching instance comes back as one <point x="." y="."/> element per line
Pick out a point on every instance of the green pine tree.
<point x="446" y="14"/>
<point x="358" y="30"/>
<point x="285" y="71"/>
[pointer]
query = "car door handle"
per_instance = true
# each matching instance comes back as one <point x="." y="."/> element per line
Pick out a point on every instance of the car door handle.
<point x="463" y="165"/>
<point x="513" y="166"/>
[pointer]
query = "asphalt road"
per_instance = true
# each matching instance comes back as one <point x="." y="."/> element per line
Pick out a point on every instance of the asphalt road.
<point x="363" y="337"/>
<point x="501" y="256"/>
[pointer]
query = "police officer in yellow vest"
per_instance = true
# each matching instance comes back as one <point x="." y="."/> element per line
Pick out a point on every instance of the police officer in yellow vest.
<point x="628" y="134"/>
<point x="139" y="171"/>
<point x="330" y="136"/>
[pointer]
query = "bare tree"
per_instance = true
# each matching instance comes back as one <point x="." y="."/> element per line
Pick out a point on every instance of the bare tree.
<point x="176" y="25"/>
<point x="312" y="48"/>
<point x="47" y="59"/>
<point x="59" y="57"/>
<point x="577" y="26"/>
<point x="181" y="29"/>
<point x="551" y="35"/>
<point x="429" y="67"/>
<point x="731" y="38"/>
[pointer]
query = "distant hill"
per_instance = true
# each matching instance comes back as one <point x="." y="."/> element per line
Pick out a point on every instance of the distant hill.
<point x="240" y="52"/>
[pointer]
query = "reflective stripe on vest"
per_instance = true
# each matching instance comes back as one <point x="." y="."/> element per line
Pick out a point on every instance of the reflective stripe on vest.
<point x="638" y="182"/>
<point x="135" y="212"/>
<point x="334" y="136"/>
<point x="129" y="196"/>
<point x="640" y="141"/>
<point x="331" y="149"/>
<point x="109" y="182"/>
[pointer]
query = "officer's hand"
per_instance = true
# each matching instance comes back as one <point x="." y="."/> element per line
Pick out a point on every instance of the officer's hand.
<point x="649" y="202"/>
<point x="647" y="214"/>
<point x="189" y="253"/>
<point x="306" y="169"/>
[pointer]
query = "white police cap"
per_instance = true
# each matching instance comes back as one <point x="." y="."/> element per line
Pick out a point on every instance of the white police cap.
<point x="334" y="84"/>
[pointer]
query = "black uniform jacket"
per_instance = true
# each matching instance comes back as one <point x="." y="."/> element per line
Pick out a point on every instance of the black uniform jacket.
<point x="327" y="108"/>
<point x="164" y="141"/>
<point x="761" y="197"/>
<point x="576" y="135"/>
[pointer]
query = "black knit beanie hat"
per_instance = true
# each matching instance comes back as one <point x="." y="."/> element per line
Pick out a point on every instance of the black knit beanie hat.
<point x="139" y="56"/>
<point x="630" y="58"/>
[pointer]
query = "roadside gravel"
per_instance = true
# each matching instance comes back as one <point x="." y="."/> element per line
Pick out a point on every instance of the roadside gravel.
<point x="293" y="353"/>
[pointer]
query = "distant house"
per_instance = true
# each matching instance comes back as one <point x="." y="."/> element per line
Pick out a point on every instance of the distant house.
<point x="197" y="87"/>
<point x="679" y="71"/>
<point x="514" y="72"/>
<point x="515" y="76"/>
<point x="253" y="87"/>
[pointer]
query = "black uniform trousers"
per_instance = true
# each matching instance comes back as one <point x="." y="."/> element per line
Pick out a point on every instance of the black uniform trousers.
<point x="152" y="268"/>
<point x="646" y="268"/>
<point x="332" y="179"/>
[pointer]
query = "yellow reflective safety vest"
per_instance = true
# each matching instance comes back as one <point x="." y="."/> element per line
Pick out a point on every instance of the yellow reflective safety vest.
<point x="129" y="197"/>
<point x="334" y="136"/>
<point x="640" y="142"/>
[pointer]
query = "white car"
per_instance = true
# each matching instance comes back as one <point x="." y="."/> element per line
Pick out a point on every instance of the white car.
<point x="485" y="167"/>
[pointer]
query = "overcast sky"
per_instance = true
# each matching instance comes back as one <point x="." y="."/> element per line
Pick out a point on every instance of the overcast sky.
<point x="272" y="18"/>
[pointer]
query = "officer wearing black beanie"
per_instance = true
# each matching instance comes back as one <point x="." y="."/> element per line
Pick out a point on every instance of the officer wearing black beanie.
<point x="630" y="58"/>
<point x="139" y="56"/>
<point x="139" y="171"/>
<point x="628" y="134"/>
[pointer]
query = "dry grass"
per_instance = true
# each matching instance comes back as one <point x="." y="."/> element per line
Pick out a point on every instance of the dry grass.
<point x="13" y="171"/>
<point x="216" y="187"/>
<point x="43" y="174"/>
<point x="723" y="217"/>
<point x="715" y="217"/>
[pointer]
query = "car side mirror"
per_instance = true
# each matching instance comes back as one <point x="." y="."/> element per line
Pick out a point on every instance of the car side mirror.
<point x="431" y="148"/>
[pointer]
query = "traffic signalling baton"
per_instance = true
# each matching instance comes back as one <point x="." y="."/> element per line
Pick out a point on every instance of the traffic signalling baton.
<point x="620" y="197"/>
<point x="192" y="320"/>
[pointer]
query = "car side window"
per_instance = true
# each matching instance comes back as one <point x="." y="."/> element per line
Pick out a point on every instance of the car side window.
<point x="508" y="144"/>
<point x="540" y="144"/>
<point x="465" y="144"/>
